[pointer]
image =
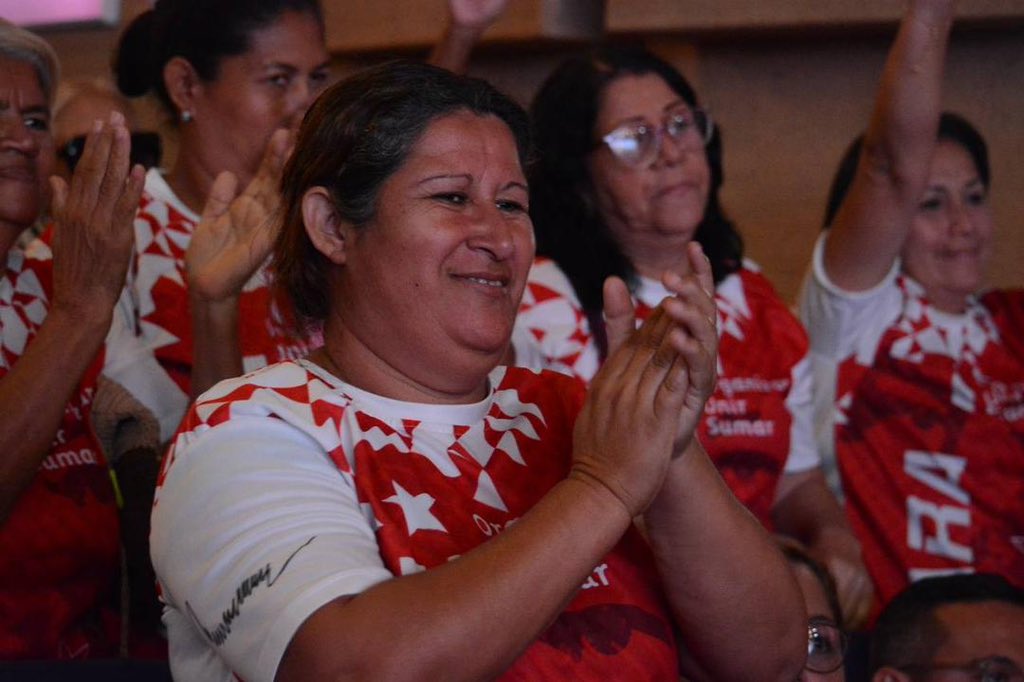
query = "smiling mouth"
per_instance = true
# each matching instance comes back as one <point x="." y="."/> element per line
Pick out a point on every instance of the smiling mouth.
<point x="492" y="282"/>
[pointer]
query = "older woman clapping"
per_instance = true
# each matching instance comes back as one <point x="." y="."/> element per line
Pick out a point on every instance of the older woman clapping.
<point x="58" y="517"/>
<point x="398" y="506"/>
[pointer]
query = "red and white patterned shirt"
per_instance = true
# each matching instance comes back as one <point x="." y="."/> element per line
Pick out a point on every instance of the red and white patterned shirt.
<point x="59" y="560"/>
<point x="159" y="295"/>
<point x="288" y="488"/>
<point x="757" y="425"/>
<point x="927" y="425"/>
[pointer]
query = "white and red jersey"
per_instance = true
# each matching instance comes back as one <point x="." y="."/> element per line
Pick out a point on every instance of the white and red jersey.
<point x="287" y="488"/>
<point x="758" y="423"/>
<point x="159" y="296"/>
<point x="927" y="419"/>
<point x="60" y="544"/>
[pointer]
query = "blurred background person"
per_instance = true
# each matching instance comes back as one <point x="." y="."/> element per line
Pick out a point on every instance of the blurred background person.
<point x="59" y="525"/>
<point x="628" y="173"/>
<point x="955" y="628"/>
<point x="229" y="73"/>
<point x="920" y="374"/>
<point x="826" y="640"/>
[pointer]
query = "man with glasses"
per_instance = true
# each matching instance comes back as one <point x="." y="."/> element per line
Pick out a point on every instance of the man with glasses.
<point x="964" y="627"/>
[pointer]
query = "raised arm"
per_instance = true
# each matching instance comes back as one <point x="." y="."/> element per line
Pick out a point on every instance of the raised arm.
<point x="735" y="601"/>
<point x="91" y="250"/>
<point x="467" y="21"/>
<point x="873" y="221"/>
<point x="232" y="240"/>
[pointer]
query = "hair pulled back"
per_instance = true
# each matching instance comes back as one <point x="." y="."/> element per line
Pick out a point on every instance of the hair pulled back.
<point x="357" y="133"/>
<point x="201" y="31"/>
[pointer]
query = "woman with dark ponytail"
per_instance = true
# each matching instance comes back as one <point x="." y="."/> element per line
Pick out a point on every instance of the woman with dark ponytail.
<point x="230" y="73"/>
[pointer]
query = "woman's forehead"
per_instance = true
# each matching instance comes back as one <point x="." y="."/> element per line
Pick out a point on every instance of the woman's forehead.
<point x="636" y="95"/>
<point x="464" y="139"/>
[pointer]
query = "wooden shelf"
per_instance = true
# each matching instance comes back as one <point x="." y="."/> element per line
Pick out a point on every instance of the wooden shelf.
<point x="693" y="16"/>
<point x="361" y="26"/>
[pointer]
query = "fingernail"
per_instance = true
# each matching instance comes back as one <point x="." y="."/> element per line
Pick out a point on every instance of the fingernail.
<point x="97" y="125"/>
<point x="116" y="118"/>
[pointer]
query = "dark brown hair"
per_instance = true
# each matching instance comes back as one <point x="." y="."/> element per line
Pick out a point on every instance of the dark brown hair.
<point x="353" y="138"/>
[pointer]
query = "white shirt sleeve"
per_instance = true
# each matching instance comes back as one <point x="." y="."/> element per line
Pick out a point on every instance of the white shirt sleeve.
<point x="130" y="363"/>
<point x="551" y="330"/>
<point x="254" y="529"/>
<point x="840" y="323"/>
<point x="803" y="451"/>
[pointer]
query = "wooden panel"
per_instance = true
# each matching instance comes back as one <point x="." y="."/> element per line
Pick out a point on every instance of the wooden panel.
<point x="355" y="26"/>
<point x="715" y="15"/>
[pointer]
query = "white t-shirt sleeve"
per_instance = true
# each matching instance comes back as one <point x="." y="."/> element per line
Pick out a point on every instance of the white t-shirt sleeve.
<point x="840" y="324"/>
<point x="551" y="330"/>
<point x="839" y="321"/>
<point x="253" y="530"/>
<point x="803" y="450"/>
<point x="130" y="363"/>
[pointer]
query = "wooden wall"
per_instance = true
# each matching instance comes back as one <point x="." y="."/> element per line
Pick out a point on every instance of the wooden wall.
<point x="790" y="82"/>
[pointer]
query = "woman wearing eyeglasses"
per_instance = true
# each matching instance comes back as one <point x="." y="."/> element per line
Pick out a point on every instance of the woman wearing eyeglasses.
<point x="628" y="173"/>
<point x="826" y="640"/>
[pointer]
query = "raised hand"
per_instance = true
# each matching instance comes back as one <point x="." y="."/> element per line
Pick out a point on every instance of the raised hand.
<point x="694" y="307"/>
<point x="475" y="14"/>
<point x="467" y="21"/>
<point x="236" y="231"/>
<point x="93" y="235"/>
<point x="644" y="404"/>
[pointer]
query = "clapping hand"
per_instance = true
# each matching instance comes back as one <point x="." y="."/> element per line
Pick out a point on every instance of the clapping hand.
<point x="93" y="235"/>
<point x="236" y="231"/>
<point x="644" y="405"/>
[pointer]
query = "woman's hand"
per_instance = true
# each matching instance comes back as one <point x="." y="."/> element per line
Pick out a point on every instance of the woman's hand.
<point x="237" y="231"/>
<point x="475" y="14"/>
<point x="644" y="404"/>
<point x="93" y="236"/>
<point x="839" y="551"/>
<point x="467" y="21"/>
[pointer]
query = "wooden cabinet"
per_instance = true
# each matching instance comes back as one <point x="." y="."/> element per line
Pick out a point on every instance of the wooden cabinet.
<point x="361" y="26"/>
<point x="686" y="16"/>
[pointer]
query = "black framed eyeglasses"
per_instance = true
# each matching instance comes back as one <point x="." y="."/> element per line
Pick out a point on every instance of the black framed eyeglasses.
<point x="145" y="150"/>
<point x="638" y="142"/>
<point x="826" y="645"/>
<point x="991" y="669"/>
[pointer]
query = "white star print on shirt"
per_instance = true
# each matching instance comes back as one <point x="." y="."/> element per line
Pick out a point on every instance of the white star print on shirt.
<point x="416" y="509"/>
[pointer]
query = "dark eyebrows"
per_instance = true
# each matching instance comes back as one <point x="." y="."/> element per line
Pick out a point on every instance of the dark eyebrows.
<point x="444" y="176"/>
<point x="291" y="68"/>
<point x="515" y="184"/>
<point x="5" y="104"/>
<point x="675" y="105"/>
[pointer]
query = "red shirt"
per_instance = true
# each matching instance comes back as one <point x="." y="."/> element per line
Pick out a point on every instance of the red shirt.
<point x="157" y="283"/>
<point x="60" y="544"/>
